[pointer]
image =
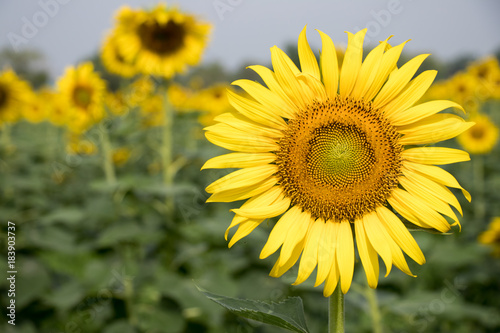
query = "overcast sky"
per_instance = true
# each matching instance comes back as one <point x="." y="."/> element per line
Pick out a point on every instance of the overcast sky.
<point x="67" y="31"/>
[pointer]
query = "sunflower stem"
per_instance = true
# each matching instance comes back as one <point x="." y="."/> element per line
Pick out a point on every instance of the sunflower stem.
<point x="107" y="154"/>
<point x="5" y="139"/>
<point x="336" y="316"/>
<point x="371" y="296"/>
<point x="166" y="155"/>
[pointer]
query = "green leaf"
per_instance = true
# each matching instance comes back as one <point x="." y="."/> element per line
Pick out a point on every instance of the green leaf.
<point x="288" y="314"/>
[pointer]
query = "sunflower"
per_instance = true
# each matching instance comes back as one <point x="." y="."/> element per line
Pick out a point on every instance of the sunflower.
<point x="491" y="237"/>
<point x="330" y="151"/>
<point x="83" y="91"/>
<point x="120" y="156"/>
<point x="480" y="138"/>
<point x="113" y="60"/>
<point x="213" y="101"/>
<point x="162" y="41"/>
<point x="37" y="109"/>
<point x="14" y="96"/>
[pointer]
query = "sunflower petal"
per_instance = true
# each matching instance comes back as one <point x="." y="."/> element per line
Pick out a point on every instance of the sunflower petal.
<point x="238" y="160"/>
<point x="244" y="229"/>
<point x="435" y="155"/>
<point x="367" y="253"/>
<point x="309" y="258"/>
<point x="345" y="255"/>
<point x="400" y="234"/>
<point x="242" y="178"/>
<point x="421" y="111"/>
<point x="397" y="81"/>
<point x="352" y="62"/>
<point x="378" y="237"/>
<point x="279" y="231"/>
<point x="326" y="250"/>
<point x="435" y="128"/>
<point x="308" y="62"/>
<point x="244" y="192"/>
<point x="294" y="236"/>
<point x="329" y="65"/>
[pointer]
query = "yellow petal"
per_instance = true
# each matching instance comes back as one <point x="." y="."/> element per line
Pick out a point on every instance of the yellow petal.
<point x="329" y="65"/>
<point x="368" y="71"/>
<point x="241" y="141"/>
<point x="421" y="111"/>
<point x="270" y="80"/>
<point x="332" y="279"/>
<point x="387" y="65"/>
<point x="400" y="234"/>
<point x="438" y="175"/>
<point x="326" y="250"/>
<point x="244" y="229"/>
<point x="309" y="258"/>
<point x="315" y="87"/>
<point x="435" y="155"/>
<point x="239" y="160"/>
<point x="436" y="191"/>
<point x="397" y="81"/>
<point x="278" y="269"/>
<point x="345" y="255"/>
<point x="435" y="128"/>
<point x="256" y="111"/>
<point x="278" y="234"/>
<point x="266" y="97"/>
<point x="247" y="125"/>
<point x="308" y="63"/>
<point x="236" y="221"/>
<point x="398" y="258"/>
<point x="274" y="209"/>
<point x="243" y="193"/>
<point x="378" y="237"/>
<point x="295" y="235"/>
<point x="419" y="209"/>
<point x="352" y="63"/>
<point x="288" y="79"/>
<point x="415" y="90"/>
<point x="367" y="253"/>
<point x="242" y="178"/>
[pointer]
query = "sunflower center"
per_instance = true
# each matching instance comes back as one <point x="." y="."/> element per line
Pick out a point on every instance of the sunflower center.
<point x="339" y="155"/>
<point x="477" y="132"/>
<point x="82" y="96"/>
<point x="339" y="159"/>
<point x="162" y="38"/>
<point x="3" y="96"/>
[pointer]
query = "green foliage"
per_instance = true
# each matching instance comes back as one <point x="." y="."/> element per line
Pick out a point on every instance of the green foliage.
<point x="288" y="314"/>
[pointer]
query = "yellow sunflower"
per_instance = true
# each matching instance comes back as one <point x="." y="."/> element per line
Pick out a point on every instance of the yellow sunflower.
<point x="162" y="41"/>
<point x="14" y="96"/>
<point x="37" y="108"/>
<point x="83" y="91"/>
<point x="113" y="60"/>
<point x="333" y="151"/>
<point x="480" y="138"/>
<point x="491" y="237"/>
<point x="212" y="102"/>
<point x="58" y="113"/>
<point x="121" y="156"/>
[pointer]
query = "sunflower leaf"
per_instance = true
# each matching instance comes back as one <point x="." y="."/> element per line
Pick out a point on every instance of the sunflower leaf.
<point x="288" y="314"/>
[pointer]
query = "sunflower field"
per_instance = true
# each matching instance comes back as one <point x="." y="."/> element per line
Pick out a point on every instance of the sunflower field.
<point x="124" y="181"/>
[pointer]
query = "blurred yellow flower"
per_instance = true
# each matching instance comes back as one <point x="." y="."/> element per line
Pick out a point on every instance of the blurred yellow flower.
<point x="153" y="111"/>
<point x="139" y="91"/>
<point x="114" y="61"/>
<point x="77" y="144"/>
<point x="480" y="138"/>
<point x="83" y="91"/>
<point x="121" y="156"/>
<point x="38" y="107"/>
<point x="491" y="237"/>
<point x="58" y="113"/>
<point x="162" y="41"/>
<point x="487" y="72"/>
<point x="181" y="98"/>
<point x="15" y="93"/>
<point x="213" y="101"/>
<point x="116" y="103"/>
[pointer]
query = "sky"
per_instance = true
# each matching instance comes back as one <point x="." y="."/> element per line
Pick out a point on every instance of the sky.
<point x="67" y="31"/>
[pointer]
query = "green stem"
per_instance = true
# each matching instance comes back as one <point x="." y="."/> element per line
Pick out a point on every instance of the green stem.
<point x="166" y="155"/>
<point x="107" y="153"/>
<point x="336" y="316"/>
<point x="478" y="176"/>
<point x="5" y="138"/>
<point x="371" y="296"/>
